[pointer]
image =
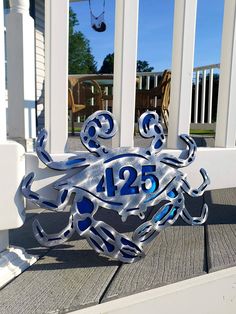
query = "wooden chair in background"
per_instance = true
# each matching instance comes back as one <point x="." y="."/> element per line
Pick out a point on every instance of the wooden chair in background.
<point x="156" y="99"/>
<point x="88" y="92"/>
<point x="162" y="93"/>
<point x="73" y="109"/>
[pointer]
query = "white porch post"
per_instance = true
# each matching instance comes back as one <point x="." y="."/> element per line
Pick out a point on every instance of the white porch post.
<point x="182" y="69"/>
<point x="2" y="79"/>
<point x="226" y="113"/>
<point x="56" y="74"/>
<point x="12" y="168"/>
<point x="4" y="239"/>
<point x="125" y="52"/>
<point x="21" y="74"/>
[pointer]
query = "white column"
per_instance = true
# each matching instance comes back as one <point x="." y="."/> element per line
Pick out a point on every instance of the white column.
<point x="126" y="31"/>
<point x="21" y="73"/>
<point x="56" y="73"/>
<point x="2" y="79"/>
<point x="226" y="113"/>
<point x="182" y="70"/>
<point x="4" y="239"/>
<point x="12" y="167"/>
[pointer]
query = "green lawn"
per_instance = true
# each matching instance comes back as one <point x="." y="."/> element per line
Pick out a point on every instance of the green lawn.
<point x="77" y="129"/>
<point x="192" y="132"/>
<point x="202" y="132"/>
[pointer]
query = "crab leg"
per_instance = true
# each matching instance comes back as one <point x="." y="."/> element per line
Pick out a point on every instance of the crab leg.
<point x="102" y="237"/>
<point x="149" y="127"/>
<point x="101" y="124"/>
<point x="165" y="217"/>
<point x="200" y="190"/>
<point x="180" y="162"/>
<point x="58" y="205"/>
<point x="53" y="239"/>
<point x="195" y="220"/>
<point x="44" y="156"/>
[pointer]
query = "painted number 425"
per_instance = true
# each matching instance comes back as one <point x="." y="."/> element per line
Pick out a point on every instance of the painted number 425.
<point x="149" y="182"/>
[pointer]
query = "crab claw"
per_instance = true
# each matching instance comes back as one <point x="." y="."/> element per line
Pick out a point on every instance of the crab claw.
<point x="44" y="156"/>
<point x="195" y="221"/>
<point x="129" y="251"/>
<point x="50" y="240"/>
<point x="26" y="185"/>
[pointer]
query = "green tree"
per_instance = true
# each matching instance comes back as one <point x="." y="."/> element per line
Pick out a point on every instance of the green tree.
<point x="108" y="65"/>
<point x="143" y="66"/>
<point x="81" y="59"/>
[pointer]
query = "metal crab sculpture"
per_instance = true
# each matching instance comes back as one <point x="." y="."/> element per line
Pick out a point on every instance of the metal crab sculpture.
<point x="126" y="180"/>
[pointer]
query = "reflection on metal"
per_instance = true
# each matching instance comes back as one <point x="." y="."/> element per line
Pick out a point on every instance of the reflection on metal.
<point x="125" y="180"/>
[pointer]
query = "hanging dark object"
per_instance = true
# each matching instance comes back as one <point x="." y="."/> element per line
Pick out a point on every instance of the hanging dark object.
<point x="97" y="22"/>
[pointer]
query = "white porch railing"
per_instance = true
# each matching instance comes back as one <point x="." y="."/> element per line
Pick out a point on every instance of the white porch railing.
<point x="183" y="80"/>
<point x="200" y="75"/>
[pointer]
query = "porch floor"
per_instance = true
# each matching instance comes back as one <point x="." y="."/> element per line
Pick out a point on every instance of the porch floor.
<point x="73" y="276"/>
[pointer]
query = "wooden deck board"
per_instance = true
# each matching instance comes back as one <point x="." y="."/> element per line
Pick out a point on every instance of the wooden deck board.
<point x="67" y="277"/>
<point x="221" y="229"/>
<point x="176" y="254"/>
<point x="72" y="276"/>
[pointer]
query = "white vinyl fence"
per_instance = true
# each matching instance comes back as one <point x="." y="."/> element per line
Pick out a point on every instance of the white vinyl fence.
<point x="203" y="105"/>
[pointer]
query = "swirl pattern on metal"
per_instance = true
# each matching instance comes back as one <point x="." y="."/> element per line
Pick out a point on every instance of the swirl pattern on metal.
<point x="126" y="180"/>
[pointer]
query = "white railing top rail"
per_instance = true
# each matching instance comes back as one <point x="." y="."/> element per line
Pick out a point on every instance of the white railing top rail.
<point x="207" y="67"/>
<point x="199" y="68"/>
<point x="111" y="74"/>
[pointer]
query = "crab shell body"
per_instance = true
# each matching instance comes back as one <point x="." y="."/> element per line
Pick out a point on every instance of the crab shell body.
<point x="143" y="181"/>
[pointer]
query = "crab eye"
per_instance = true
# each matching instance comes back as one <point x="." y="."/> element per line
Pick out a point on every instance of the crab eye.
<point x="172" y="194"/>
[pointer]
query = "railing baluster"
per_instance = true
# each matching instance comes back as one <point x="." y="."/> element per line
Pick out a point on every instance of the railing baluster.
<point x="155" y="85"/>
<point x="148" y="82"/>
<point x="92" y="99"/>
<point x="196" y="98"/>
<point x="203" y="96"/>
<point x="125" y="64"/>
<point x="140" y="82"/>
<point x="155" y="80"/>
<point x="106" y="101"/>
<point x="182" y="68"/>
<point x="210" y="93"/>
<point x="56" y="67"/>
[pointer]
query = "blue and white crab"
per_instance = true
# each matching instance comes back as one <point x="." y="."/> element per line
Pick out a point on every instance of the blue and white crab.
<point x="126" y="180"/>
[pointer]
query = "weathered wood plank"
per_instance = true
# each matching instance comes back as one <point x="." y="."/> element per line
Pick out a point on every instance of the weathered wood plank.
<point x="72" y="276"/>
<point x="176" y="254"/>
<point x="68" y="277"/>
<point x="24" y="237"/>
<point x="221" y="229"/>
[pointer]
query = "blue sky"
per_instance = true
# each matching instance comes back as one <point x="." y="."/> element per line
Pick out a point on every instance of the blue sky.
<point x="155" y="30"/>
